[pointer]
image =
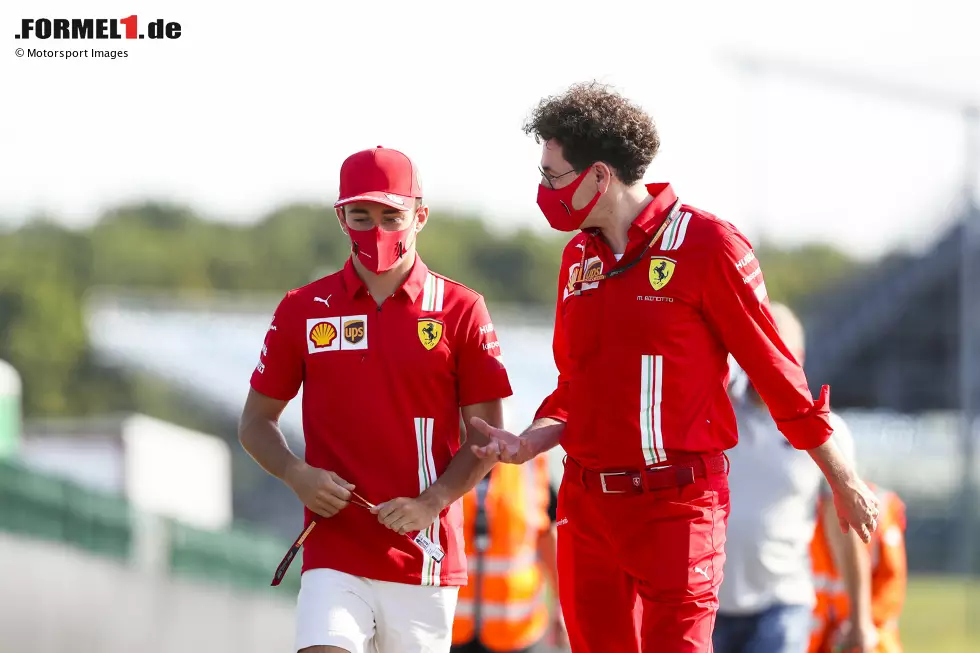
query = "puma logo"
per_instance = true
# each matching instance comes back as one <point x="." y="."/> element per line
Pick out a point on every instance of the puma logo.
<point x="580" y="246"/>
<point x="325" y="301"/>
<point x="702" y="572"/>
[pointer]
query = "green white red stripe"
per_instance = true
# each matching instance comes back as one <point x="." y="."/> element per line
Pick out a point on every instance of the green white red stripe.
<point x="651" y="398"/>
<point x="431" y="570"/>
<point x="433" y="291"/>
<point x="673" y="238"/>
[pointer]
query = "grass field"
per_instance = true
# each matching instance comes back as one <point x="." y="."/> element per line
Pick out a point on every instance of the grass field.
<point x="941" y="615"/>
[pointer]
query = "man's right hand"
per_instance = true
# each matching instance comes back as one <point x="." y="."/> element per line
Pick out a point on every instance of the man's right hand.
<point x="504" y="446"/>
<point x="323" y="492"/>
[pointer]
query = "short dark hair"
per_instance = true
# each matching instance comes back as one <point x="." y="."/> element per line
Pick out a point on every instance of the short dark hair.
<point x="594" y="123"/>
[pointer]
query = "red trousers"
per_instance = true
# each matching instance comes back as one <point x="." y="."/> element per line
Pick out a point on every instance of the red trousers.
<point x="639" y="573"/>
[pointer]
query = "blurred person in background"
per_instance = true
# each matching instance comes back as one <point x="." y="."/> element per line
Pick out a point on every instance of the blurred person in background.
<point x="767" y="597"/>
<point x="832" y="624"/>
<point x="653" y="295"/>
<point x="510" y="603"/>
<point x="389" y="355"/>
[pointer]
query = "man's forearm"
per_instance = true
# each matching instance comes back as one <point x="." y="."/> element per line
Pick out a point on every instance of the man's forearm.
<point x="856" y="570"/>
<point x="833" y="464"/>
<point x="462" y="474"/>
<point x="543" y="434"/>
<point x="465" y="469"/>
<point x="265" y="443"/>
<point x="852" y="558"/>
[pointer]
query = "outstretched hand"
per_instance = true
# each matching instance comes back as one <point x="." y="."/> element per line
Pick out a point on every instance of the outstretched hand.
<point x="504" y="446"/>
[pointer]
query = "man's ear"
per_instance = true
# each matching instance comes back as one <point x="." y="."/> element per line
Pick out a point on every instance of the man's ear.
<point x="422" y="218"/>
<point x="603" y="176"/>
<point x="343" y="220"/>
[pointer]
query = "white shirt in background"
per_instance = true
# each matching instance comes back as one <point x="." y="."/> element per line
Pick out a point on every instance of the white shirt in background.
<point x="774" y="490"/>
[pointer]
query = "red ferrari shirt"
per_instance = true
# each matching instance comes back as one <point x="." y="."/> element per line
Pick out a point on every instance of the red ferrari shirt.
<point x="643" y="355"/>
<point x="382" y="391"/>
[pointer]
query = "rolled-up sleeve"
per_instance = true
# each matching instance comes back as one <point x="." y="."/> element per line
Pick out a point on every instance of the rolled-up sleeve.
<point x="736" y="305"/>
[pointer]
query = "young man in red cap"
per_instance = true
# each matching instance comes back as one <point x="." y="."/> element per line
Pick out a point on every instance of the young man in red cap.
<point x="389" y="354"/>
<point x="652" y="297"/>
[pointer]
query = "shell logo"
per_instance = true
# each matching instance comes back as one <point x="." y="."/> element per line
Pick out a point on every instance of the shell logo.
<point x="323" y="334"/>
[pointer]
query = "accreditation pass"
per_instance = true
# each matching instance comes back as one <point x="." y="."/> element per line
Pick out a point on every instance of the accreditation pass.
<point x="429" y="547"/>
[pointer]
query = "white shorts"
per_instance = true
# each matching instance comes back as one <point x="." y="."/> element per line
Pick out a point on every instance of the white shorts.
<point x="372" y="616"/>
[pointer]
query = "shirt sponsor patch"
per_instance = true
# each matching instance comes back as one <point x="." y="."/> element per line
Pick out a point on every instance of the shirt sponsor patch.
<point x="752" y="277"/>
<point x="322" y="334"/>
<point x="593" y="270"/>
<point x="748" y="258"/>
<point x="346" y="333"/>
<point x="355" y="332"/>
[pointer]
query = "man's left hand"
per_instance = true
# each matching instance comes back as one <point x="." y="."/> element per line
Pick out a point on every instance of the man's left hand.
<point x="857" y="508"/>
<point x="404" y="515"/>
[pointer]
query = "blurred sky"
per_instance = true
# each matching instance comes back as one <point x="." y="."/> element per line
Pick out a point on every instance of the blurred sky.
<point x="258" y="104"/>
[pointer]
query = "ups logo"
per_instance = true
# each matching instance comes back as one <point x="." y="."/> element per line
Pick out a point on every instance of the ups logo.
<point x="583" y="280"/>
<point x="593" y="270"/>
<point x="354" y="331"/>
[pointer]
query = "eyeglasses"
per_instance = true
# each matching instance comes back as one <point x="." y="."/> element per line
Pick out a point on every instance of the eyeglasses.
<point x="551" y="178"/>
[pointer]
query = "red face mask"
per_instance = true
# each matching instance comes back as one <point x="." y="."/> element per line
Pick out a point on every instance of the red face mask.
<point x="379" y="250"/>
<point x="557" y="205"/>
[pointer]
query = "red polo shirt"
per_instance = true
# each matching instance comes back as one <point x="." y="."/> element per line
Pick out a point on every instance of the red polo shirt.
<point x="382" y="391"/>
<point x="643" y="356"/>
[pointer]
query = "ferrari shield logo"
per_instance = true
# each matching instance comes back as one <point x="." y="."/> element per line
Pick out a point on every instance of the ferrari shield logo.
<point x="661" y="270"/>
<point x="430" y="333"/>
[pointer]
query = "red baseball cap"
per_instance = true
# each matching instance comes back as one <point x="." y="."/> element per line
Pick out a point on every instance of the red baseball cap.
<point x="380" y="175"/>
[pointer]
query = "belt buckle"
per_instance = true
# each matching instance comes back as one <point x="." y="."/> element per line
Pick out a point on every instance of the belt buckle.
<point x="602" y="481"/>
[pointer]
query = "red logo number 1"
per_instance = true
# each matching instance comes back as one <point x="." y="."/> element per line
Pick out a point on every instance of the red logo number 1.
<point x="130" y="23"/>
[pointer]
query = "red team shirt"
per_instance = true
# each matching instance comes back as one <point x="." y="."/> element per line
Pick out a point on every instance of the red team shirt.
<point x="643" y="356"/>
<point x="382" y="391"/>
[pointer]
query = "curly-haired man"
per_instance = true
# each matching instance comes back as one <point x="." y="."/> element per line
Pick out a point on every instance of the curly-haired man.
<point x="653" y="297"/>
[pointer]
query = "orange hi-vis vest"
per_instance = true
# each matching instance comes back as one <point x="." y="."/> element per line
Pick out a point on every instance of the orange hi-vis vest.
<point x="511" y="608"/>
<point x="888" y="580"/>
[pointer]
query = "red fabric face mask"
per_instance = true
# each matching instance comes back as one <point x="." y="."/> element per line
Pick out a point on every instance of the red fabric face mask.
<point x="557" y="205"/>
<point x="378" y="249"/>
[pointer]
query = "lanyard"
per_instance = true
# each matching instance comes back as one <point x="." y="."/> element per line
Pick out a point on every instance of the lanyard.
<point x="671" y="216"/>
<point x="429" y="548"/>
